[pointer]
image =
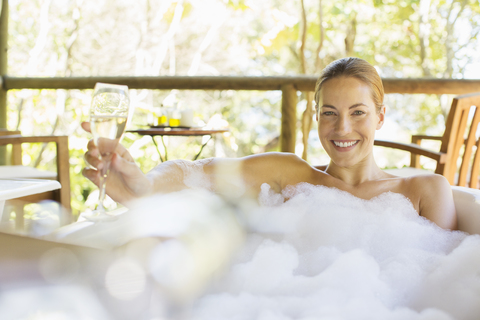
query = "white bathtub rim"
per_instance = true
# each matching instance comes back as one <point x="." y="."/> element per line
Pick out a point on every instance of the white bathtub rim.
<point x="467" y="205"/>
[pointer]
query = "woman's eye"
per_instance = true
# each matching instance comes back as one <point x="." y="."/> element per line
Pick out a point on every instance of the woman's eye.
<point x="328" y="113"/>
<point x="358" y="112"/>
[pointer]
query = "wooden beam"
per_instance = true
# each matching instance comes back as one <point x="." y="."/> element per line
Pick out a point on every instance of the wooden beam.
<point x="289" y="118"/>
<point x="300" y="83"/>
<point x="431" y="86"/>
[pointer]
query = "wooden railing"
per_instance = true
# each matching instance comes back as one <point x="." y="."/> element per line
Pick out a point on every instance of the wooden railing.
<point x="289" y="85"/>
<point x="300" y="83"/>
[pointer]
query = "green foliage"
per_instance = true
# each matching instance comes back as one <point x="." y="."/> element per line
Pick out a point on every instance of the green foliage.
<point x="237" y="4"/>
<point x="222" y="37"/>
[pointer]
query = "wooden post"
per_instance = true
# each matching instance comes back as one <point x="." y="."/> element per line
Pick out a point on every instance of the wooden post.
<point x="289" y="118"/>
<point x="63" y="167"/>
<point x="3" y="71"/>
<point x="3" y="62"/>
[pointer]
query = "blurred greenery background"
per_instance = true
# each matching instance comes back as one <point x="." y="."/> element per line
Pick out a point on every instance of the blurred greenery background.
<point x="64" y="38"/>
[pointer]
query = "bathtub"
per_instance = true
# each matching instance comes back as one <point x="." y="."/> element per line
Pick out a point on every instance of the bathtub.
<point x="23" y="255"/>
<point x="467" y="204"/>
<point x="86" y="233"/>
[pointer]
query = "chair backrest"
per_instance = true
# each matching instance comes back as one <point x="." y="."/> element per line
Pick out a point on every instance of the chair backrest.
<point x="459" y="131"/>
<point x="16" y="155"/>
<point x="62" y="160"/>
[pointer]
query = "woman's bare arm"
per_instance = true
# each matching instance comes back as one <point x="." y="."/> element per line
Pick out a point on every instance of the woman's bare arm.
<point x="231" y="177"/>
<point x="237" y="177"/>
<point x="436" y="200"/>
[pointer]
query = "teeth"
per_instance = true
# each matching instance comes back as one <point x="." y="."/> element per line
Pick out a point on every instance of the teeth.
<point x="344" y="144"/>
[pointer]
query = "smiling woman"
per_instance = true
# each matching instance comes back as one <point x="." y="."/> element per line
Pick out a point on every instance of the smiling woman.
<point x="347" y="120"/>
<point x="350" y="109"/>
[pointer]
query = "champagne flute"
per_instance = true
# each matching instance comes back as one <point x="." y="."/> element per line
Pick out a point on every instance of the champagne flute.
<point x="108" y="118"/>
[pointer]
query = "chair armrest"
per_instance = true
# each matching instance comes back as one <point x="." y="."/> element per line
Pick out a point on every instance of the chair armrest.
<point x="414" y="149"/>
<point x="16" y="139"/>
<point x="417" y="138"/>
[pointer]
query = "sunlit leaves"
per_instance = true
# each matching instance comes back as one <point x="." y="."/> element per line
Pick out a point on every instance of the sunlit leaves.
<point x="237" y="4"/>
<point x="254" y="37"/>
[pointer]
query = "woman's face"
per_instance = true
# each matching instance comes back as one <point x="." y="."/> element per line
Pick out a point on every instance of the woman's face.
<point x="347" y="120"/>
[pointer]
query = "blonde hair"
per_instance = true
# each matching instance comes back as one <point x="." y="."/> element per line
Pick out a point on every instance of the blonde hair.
<point x="356" y="68"/>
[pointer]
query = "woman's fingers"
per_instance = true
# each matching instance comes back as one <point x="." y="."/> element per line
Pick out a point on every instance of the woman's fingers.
<point x="92" y="156"/>
<point x="92" y="160"/>
<point x="86" y="126"/>
<point x="123" y="153"/>
<point x="125" y="166"/>
<point x="92" y="175"/>
<point x="92" y="149"/>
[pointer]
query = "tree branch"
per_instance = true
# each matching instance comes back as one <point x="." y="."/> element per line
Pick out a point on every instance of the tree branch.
<point x="172" y="30"/>
<point x="322" y="37"/>
<point x="303" y="62"/>
<point x="423" y="35"/>
<point x="350" y="37"/>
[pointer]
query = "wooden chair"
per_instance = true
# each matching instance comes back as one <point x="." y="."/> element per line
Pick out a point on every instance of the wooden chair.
<point x="17" y="170"/>
<point x="460" y="131"/>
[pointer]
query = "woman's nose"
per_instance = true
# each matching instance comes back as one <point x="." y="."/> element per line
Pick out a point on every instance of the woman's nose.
<point x="343" y="126"/>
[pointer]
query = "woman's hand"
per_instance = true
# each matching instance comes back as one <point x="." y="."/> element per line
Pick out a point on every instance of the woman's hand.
<point x="125" y="180"/>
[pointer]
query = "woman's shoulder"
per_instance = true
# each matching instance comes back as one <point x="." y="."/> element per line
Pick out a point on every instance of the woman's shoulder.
<point x="419" y="181"/>
<point x="428" y="182"/>
<point x="435" y="199"/>
<point x="423" y="186"/>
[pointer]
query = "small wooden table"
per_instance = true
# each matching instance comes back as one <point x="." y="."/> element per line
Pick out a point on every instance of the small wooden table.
<point x="177" y="131"/>
<point x="17" y="188"/>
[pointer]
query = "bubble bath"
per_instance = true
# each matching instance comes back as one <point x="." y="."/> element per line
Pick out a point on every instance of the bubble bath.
<point x="325" y="254"/>
<point x="309" y="252"/>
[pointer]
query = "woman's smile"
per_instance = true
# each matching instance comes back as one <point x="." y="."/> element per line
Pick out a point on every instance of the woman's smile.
<point x="345" y="145"/>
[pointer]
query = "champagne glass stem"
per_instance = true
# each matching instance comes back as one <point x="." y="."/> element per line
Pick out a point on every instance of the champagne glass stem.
<point x="102" y="185"/>
<point x="101" y="196"/>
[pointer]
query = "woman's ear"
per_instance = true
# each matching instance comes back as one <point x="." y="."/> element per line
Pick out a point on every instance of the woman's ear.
<point x="381" y="117"/>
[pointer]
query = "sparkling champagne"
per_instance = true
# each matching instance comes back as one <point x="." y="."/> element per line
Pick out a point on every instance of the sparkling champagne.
<point x="107" y="131"/>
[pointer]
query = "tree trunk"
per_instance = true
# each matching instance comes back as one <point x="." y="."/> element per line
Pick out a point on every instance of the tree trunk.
<point x="318" y="65"/>
<point x="350" y="38"/>
<point x="424" y="34"/>
<point x="303" y="42"/>
<point x="450" y="38"/>
<point x="307" y="116"/>
<point x="307" y="121"/>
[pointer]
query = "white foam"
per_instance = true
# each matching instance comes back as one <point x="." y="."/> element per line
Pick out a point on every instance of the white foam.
<point x="193" y="175"/>
<point x="311" y="252"/>
<point x="326" y="254"/>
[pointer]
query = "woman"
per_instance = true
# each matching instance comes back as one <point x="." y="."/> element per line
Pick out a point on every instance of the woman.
<point x="349" y="109"/>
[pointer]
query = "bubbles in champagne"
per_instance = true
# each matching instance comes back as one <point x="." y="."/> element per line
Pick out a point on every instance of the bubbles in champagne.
<point x="107" y="131"/>
<point x="110" y="103"/>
